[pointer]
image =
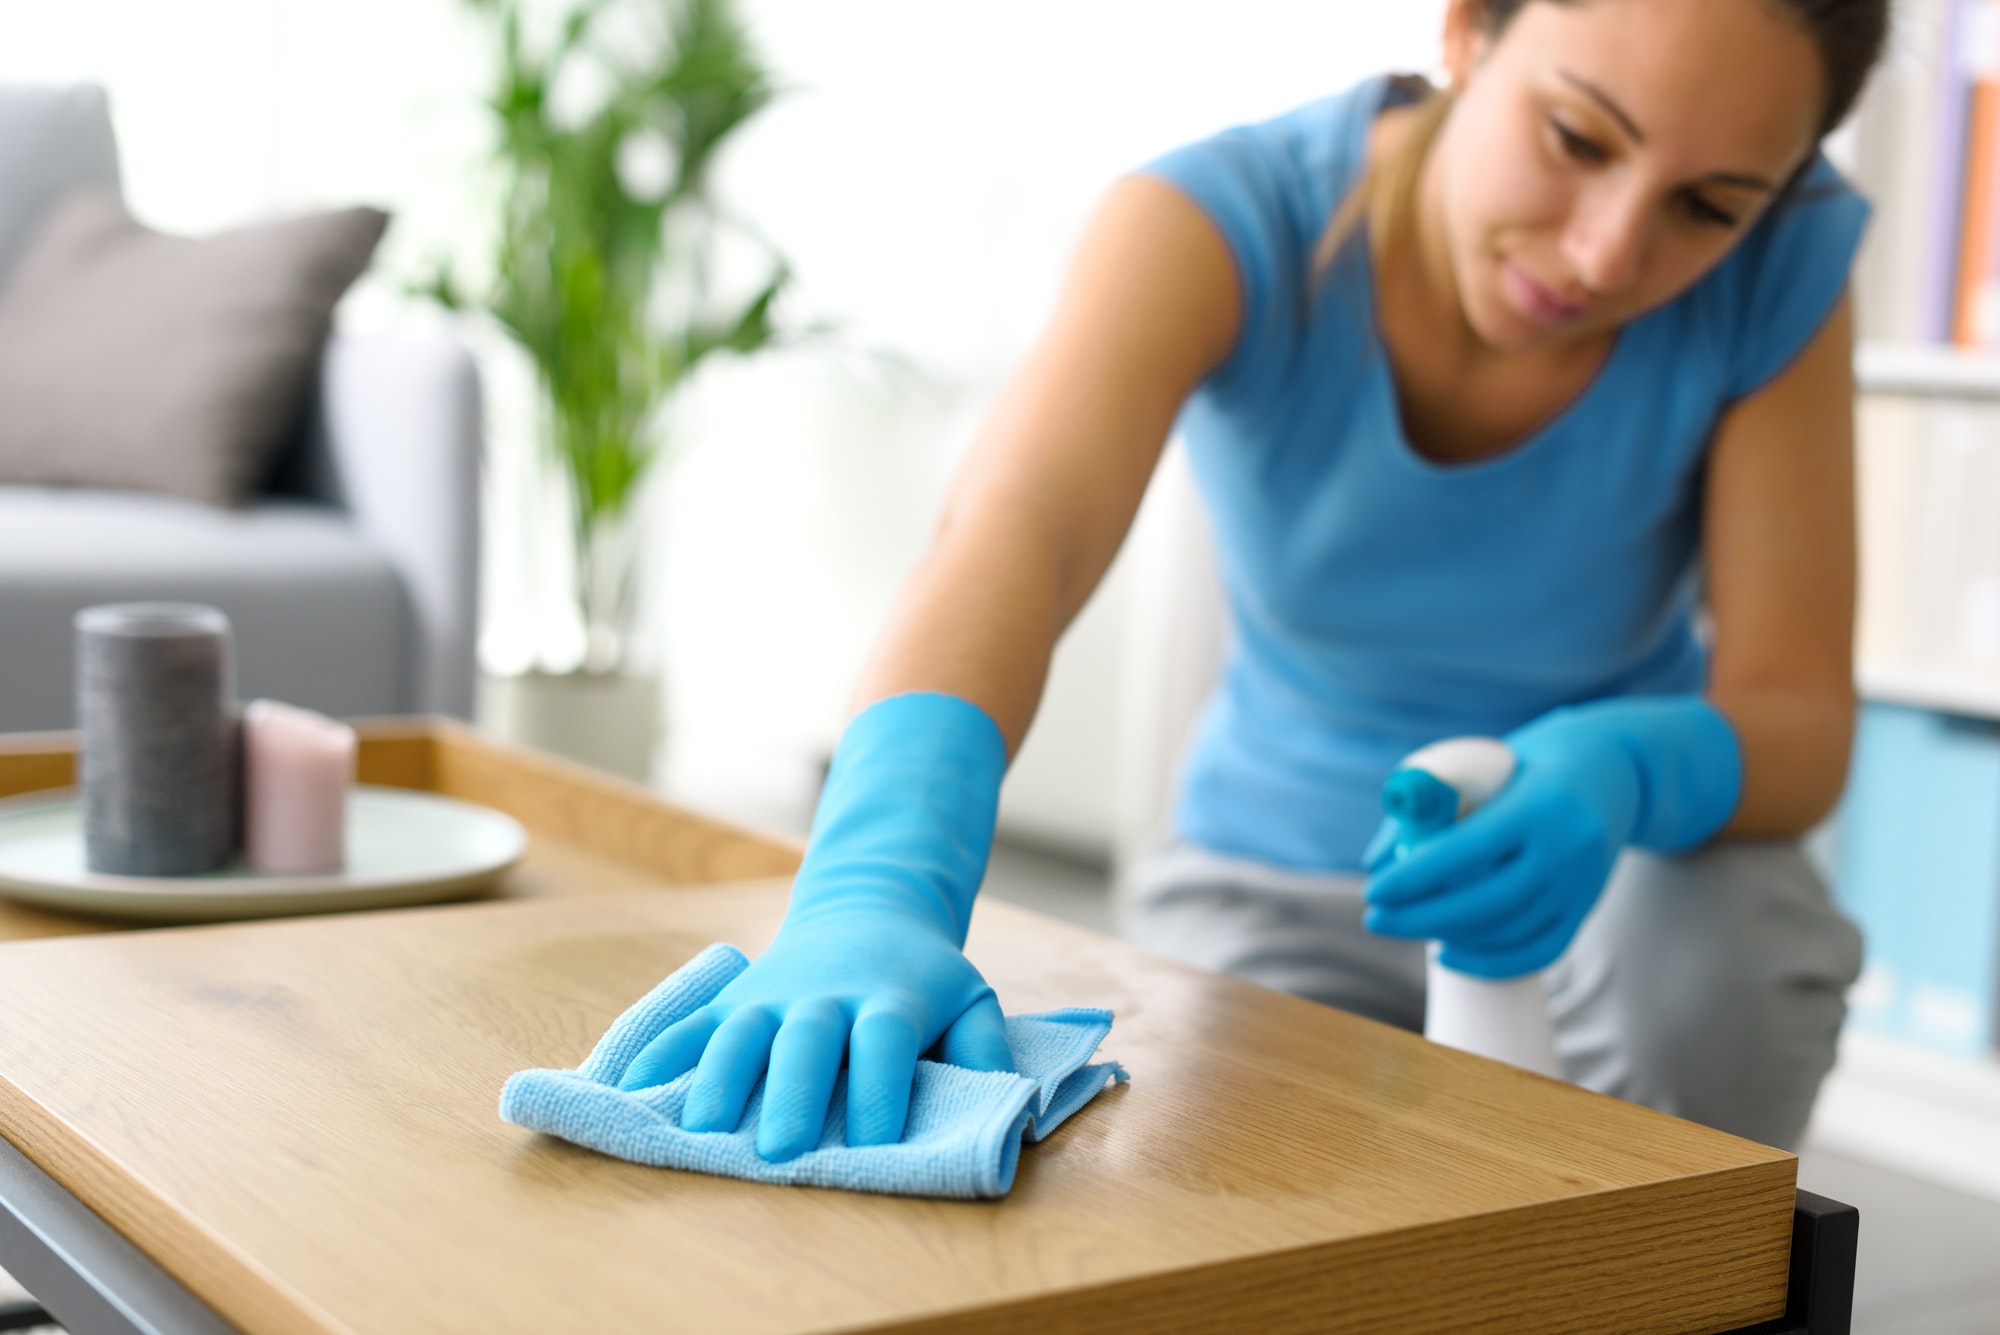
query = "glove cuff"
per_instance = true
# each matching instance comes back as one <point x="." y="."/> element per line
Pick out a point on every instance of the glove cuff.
<point x="907" y="812"/>
<point x="1689" y="763"/>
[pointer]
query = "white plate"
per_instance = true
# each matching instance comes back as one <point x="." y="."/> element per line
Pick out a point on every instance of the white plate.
<point x="403" y="847"/>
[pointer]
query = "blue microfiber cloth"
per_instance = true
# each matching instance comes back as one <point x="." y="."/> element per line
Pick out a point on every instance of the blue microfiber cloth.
<point x="963" y="1137"/>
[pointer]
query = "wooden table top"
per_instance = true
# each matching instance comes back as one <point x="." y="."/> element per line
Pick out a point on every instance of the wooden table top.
<point x="297" y="1119"/>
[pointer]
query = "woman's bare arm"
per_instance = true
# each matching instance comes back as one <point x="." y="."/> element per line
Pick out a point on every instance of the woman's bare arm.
<point x="1049" y="490"/>
<point x="1780" y="558"/>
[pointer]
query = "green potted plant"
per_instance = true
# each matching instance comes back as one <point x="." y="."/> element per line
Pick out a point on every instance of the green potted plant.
<point x="600" y="271"/>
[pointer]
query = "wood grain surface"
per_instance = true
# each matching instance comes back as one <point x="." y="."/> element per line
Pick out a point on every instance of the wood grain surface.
<point x="588" y="833"/>
<point x="298" y="1120"/>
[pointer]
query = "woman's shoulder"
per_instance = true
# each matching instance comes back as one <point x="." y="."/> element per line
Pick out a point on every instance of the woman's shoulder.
<point x="1296" y="164"/>
<point x="1761" y="306"/>
<point x="1270" y="188"/>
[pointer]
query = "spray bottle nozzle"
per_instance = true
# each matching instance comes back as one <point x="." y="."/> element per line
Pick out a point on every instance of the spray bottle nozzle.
<point x="1420" y="803"/>
<point x="1438" y="786"/>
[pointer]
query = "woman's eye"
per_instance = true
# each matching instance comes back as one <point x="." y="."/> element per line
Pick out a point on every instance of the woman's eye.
<point x="1574" y="144"/>
<point x="1702" y="211"/>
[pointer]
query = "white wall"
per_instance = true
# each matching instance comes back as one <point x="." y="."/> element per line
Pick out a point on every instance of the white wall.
<point x="231" y="109"/>
<point x="927" y="174"/>
<point x="938" y="157"/>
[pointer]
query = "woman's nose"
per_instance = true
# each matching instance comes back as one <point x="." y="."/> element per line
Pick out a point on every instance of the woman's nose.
<point x="1605" y="242"/>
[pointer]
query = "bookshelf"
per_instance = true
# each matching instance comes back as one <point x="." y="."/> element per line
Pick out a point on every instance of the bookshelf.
<point x="1928" y="424"/>
<point x="1927" y="370"/>
<point x="1922" y="1113"/>
<point x="1946" y="691"/>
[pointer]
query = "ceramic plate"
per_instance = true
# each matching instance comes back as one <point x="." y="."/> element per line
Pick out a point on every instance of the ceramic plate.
<point x="403" y="847"/>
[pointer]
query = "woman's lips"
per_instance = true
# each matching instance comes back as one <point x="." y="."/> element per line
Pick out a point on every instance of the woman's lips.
<point x="1538" y="302"/>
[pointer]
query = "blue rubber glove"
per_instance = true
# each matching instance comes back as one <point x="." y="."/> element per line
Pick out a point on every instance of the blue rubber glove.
<point x="869" y="961"/>
<point x="1505" y="890"/>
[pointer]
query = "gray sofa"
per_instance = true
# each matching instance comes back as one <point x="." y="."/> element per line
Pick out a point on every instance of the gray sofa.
<point x="351" y="580"/>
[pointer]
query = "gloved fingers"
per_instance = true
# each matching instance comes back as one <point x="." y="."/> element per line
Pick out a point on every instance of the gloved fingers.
<point x="1494" y="902"/>
<point x="1452" y="857"/>
<point x="1417" y="878"/>
<point x="729" y="1069"/>
<point x="672" y="1052"/>
<point x="805" y="1059"/>
<point x="881" y="1065"/>
<point x="1542" y="922"/>
<point x="977" y="1039"/>
<point x="1567" y="887"/>
<point x="1382" y="846"/>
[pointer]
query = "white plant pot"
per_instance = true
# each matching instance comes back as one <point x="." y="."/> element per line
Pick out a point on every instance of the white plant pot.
<point x="610" y="721"/>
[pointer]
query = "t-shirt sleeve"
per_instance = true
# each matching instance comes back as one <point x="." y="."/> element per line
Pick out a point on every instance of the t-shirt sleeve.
<point x="1245" y="180"/>
<point x="1782" y="283"/>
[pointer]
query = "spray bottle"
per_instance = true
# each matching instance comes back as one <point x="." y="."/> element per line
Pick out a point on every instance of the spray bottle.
<point x="1508" y="1019"/>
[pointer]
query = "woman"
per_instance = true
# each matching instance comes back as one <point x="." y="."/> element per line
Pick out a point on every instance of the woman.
<point x="1475" y="384"/>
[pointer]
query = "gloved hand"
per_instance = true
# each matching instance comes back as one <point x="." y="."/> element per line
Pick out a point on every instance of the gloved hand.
<point x="1505" y="890"/>
<point x="869" y="959"/>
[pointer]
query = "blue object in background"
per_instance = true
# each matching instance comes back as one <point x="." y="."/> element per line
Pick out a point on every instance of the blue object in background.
<point x="1919" y="870"/>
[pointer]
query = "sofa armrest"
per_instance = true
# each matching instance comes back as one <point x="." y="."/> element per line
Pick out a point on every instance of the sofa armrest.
<point x="394" y="439"/>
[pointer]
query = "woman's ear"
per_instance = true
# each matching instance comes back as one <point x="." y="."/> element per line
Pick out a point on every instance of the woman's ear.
<point x="1465" y="26"/>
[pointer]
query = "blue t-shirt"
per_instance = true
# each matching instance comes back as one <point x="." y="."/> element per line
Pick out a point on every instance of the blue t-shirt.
<point x="1380" y="600"/>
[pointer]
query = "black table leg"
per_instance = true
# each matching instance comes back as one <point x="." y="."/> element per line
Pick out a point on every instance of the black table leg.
<point x="1826" y="1236"/>
<point x="23" y="1316"/>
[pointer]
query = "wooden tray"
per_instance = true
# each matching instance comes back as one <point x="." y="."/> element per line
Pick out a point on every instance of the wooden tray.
<point x="585" y="829"/>
<point x="297" y="1120"/>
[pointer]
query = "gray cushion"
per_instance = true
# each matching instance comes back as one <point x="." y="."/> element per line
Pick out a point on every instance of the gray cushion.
<point x="53" y="141"/>
<point x="158" y="363"/>
<point x="321" y="619"/>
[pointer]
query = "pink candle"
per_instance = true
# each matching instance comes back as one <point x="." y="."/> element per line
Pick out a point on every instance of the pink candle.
<point x="297" y="766"/>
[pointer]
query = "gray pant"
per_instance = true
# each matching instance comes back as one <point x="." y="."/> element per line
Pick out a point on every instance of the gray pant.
<point x="1709" y="986"/>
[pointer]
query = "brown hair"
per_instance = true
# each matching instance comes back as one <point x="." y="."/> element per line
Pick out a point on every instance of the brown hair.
<point x="1849" y="34"/>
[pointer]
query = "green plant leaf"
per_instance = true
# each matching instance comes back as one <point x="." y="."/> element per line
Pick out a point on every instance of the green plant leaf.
<point x="580" y="264"/>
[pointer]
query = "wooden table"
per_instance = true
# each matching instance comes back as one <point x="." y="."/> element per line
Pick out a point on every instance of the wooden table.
<point x="294" y="1121"/>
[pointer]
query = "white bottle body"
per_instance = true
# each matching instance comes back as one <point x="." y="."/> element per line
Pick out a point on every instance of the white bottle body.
<point x="1506" y="1019"/>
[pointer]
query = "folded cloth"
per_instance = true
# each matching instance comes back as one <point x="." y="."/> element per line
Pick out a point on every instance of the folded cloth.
<point x="962" y="1139"/>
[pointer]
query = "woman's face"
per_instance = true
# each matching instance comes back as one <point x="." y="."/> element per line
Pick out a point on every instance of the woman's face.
<point x="1604" y="155"/>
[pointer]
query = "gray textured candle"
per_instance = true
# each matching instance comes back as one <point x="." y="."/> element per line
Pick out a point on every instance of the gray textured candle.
<point x="155" y="701"/>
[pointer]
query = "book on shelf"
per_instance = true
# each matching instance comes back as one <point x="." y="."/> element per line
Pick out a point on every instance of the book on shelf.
<point x="1905" y="150"/>
<point x="1918" y="846"/>
<point x="1925" y="149"/>
<point x="1976" y="292"/>
<point x="1928" y="484"/>
<point x="1918" y="869"/>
